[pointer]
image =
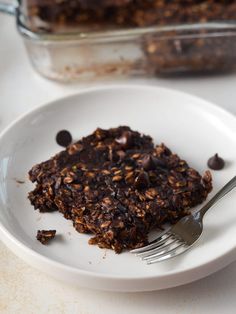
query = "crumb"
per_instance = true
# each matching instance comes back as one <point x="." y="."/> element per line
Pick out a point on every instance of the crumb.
<point x="19" y="181"/>
<point x="105" y="254"/>
<point x="44" y="236"/>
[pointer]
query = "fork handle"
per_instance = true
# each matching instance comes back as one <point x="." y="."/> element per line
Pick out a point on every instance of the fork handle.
<point x="225" y="190"/>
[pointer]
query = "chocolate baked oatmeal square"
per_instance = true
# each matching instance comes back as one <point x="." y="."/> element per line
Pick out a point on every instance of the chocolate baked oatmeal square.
<point x="116" y="185"/>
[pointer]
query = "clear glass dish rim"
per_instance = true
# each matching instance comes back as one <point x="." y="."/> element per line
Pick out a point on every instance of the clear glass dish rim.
<point x="226" y="29"/>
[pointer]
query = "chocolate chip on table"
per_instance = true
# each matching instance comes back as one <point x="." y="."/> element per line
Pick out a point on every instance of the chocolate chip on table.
<point x="44" y="236"/>
<point x="63" y="138"/>
<point x="117" y="200"/>
<point x="216" y="162"/>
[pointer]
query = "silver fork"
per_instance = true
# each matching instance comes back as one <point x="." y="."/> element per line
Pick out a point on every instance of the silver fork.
<point x="182" y="236"/>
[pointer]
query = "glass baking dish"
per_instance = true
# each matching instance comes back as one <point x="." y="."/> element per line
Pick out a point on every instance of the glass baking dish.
<point x="90" y="54"/>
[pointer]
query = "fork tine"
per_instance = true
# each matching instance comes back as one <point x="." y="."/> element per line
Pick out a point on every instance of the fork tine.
<point x="164" y="251"/>
<point x="149" y="248"/>
<point x="154" y="243"/>
<point x="161" y="248"/>
<point x="168" y="254"/>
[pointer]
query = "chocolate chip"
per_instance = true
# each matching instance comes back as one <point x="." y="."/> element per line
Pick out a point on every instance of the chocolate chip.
<point x="150" y="162"/>
<point x="216" y="162"/>
<point x="63" y="138"/>
<point x="142" y="181"/>
<point x="125" y="140"/>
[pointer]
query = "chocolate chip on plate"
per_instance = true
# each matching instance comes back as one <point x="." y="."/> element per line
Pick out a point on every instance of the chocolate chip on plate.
<point x="63" y="138"/>
<point x="216" y="162"/>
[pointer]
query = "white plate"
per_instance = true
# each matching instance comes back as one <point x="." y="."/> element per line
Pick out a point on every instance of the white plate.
<point x="190" y="126"/>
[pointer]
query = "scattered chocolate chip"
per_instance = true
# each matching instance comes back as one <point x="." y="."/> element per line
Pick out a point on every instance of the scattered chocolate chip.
<point x="63" y="138"/>
<point x="142" y="181"/>
<point x="44" y="236"/>
<point x="125" y="140"/>
<point x="216" y="162"/>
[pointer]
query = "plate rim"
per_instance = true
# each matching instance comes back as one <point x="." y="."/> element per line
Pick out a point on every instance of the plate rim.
<point x="16" y="245"/>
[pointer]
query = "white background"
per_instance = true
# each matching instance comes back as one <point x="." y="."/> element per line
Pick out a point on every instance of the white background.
<point x="25" y="290"/>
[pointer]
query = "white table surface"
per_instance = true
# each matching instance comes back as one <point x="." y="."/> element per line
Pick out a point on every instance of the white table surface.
<point x="26" y="290"/>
